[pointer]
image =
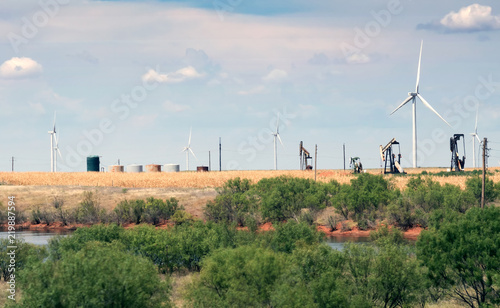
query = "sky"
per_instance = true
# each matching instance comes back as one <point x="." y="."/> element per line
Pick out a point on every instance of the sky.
<point x="128" y="80"/>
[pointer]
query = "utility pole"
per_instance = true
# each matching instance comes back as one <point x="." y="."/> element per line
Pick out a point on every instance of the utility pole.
<point x="315" y="160"/>
<point x="485" y="142"/>
<point x="12" y="163"/>
<point x="209" y="162"/>
<point x="220" y="160"/>
<point x="343" y="146"/>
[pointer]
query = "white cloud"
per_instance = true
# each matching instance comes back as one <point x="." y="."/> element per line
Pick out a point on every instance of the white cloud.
<point x="256" y="90"/>
<point x="175" y="108"/>
<point x="358" y="58"/>
<point x="180" y="75"/>
<point x="37" y="108"/>
<point x="20" y="68"/>
<point x="276" y="75"/>
<point x="473" y="17"/>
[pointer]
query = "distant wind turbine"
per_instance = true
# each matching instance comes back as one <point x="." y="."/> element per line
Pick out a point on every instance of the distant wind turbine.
<point x="277" y="136"/>
<point x="474" y="137"/>
<point x="187" y="150"/>
<point x="54" y="147"/>
<point x="412" y="96"/>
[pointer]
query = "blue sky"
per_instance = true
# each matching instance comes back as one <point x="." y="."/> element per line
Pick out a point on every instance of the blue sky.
<point x="128" y="80"/>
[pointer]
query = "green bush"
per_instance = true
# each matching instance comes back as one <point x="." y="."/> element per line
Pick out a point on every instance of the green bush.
<point x="241" y="277"/>
<point x="461" y="253"/>
<point x="182" y="217"/>
<point x="474" y="186"/>
<point x="99" y="275"/>
<point x="76" y="241"/>
<point x="156" y="210"/>
<point x="232" y="204"/>
<point x="287" y="235"/>
<point x="363" y="197"/>
<point x="284" y="197"/>
<point x="89" y="210"/>
<point x="25" y="254"/>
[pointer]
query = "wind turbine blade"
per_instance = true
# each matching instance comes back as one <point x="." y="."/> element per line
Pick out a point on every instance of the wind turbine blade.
<point x="403" y="103"/>
<point x="279" y="138"/>
<point x="59" y="152"/>
<point x="278" y="124"/>
<point x="418" y="71"/>
<point x="477" y="137"/>
<point x="54" y="124"/>
<point x="189" y="141"/>
<point x="193" y="153"/>
<point x="477" y="112"/>
<point x="430" y="107"/>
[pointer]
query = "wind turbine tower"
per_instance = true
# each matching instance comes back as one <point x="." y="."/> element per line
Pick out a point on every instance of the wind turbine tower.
<point x="412" y="96"/>
<point x="54" y="147"/>
<point x="187" y="149"/>
<point x="277" y="136"/>
<point x="474" y="137"/>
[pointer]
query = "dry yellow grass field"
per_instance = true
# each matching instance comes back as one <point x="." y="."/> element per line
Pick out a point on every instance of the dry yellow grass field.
<point x="192" y="189"/>
<point x="197" y="179"/>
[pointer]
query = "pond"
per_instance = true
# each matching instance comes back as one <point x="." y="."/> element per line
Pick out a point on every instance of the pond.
<point x="35" y="237"/>
<point x="337" y="242"/>
<point x="43" y="237"/>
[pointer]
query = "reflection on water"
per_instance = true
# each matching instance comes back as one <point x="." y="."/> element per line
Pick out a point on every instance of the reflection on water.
<point x="43" y="237"/>
<point x="337" y="242"/>
<point x="35" y="237"/>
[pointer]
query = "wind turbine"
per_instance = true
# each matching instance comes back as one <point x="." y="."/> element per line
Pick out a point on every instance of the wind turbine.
<point x="187" y="150"/>
<point x="474" y="137"/>
<point x="412" y="96"/>
<point x="277" y="136"/>
<point x="54" y="150"/>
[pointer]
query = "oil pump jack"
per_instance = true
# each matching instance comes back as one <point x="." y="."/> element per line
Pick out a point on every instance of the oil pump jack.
<point x="388" y="156"/>
<point x="304" y="157"/>
<point x="356" y="165"/>
<point x="457" y="164"/>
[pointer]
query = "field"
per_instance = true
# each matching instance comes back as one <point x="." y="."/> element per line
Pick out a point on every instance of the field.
<point x="192" y="189"/>
<point x="198" y="179"/>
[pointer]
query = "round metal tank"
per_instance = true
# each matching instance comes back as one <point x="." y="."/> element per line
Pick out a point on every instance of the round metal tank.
<point x="153" y="168"/>
<point x="202" y="169"/>
<point x="93" y="164"/>
<point x="171" y="168"/>
<point x="134" y="168"/>
<point x="115" y="168"/>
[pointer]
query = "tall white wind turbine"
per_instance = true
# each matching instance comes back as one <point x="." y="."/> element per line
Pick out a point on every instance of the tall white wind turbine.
<point x="187" y="149"/>
<point x="54" y="147"/>
<point x="277" y="136"/>
<point x="474" y="137"/>
<point x="412" y="96"/>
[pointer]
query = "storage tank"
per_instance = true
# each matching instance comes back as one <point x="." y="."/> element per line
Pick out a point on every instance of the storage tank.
<point x="171" y="168"/>
<point x="202" y="169"/>
<point x="93" y="164"/>
<point x="115" y="168"/>
<point x="134" y="168"/>
<point x="153" y="168"/>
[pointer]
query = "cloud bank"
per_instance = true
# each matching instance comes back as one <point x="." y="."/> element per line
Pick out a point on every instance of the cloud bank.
<point x="473" y="18"/>
<point x="20" y="68"/>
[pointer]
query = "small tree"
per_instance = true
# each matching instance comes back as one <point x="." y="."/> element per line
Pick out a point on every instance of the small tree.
<point x="462" y="255"/>
<point x="99" y="275"/>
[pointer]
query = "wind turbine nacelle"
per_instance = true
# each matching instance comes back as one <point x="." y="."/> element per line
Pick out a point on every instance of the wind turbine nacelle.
<point x="412" y="94"/>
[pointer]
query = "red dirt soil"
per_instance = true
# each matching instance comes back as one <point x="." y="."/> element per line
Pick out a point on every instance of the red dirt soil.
<point x="354" y="232"/>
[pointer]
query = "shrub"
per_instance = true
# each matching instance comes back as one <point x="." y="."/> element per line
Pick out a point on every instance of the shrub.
<point x="89" y="210"/>
<point x="156" y="210"/>
<point x="99" y="275"/>
<point x="232" y="204"/>
<point x="182" y="217"/>
<point x="461" y="253"/>
<point x="474" y="186"/>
